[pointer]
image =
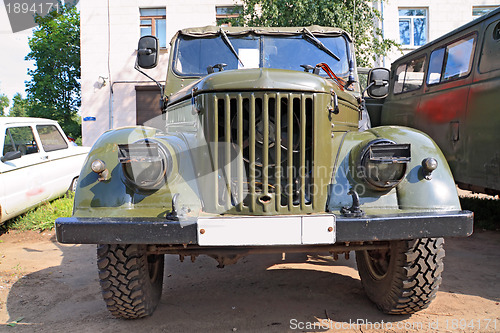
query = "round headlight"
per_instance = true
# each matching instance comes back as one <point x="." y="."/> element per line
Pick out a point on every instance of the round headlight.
<point x="146" y="164"/>
<point x="383" y="163"/>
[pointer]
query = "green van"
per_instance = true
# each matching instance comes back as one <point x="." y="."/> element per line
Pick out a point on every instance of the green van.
<point x="449" y="89"/>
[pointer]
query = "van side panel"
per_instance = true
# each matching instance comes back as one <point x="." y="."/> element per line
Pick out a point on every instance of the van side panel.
<point x="441" y="114"/>
<point x="483" y="114"/>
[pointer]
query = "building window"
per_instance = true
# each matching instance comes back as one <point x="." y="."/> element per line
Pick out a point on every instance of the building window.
<point x="154" y="22"/>
<point x="413" y="27"/>
<point x="481" y="10"/>
<point x="225" y="13"/>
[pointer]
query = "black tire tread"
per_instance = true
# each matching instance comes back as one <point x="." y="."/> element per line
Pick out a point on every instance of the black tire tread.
<point x="416" y="276"/>
<point x="125" y="283"/>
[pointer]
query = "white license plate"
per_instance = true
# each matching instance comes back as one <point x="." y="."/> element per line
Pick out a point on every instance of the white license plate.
<point x="266" y="230"/>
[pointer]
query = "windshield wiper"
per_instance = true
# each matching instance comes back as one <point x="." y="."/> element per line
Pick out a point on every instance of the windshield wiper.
<point x="228" y="43"/>
<point x="307" y="35"/>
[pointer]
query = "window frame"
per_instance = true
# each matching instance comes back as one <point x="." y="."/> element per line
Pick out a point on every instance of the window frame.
<point x="411" y="19"/>
<point x="486" y="9"/>
<point x="237" y="10"/>
<point x="153" y="24"/>
<point x="444" y="62"/>
<point x="15" y="146"/>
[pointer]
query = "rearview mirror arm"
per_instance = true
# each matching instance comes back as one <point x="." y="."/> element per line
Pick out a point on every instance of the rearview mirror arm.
<point x="163" y="100"/>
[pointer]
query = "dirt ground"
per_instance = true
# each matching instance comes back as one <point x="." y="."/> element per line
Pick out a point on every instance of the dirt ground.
<point x="49" y="287"/>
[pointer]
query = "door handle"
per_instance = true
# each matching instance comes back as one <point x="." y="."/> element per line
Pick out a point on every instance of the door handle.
<point x="44" y="157"/>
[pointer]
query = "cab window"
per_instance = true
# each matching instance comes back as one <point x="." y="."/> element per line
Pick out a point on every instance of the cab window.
<point x="51" y="138"/>
<point x="451" y="62"/>
<point x="409" y="76"/>
<point x="20" y="139"/>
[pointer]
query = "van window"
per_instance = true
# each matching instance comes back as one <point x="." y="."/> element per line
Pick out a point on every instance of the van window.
<point x="409" y="76"/>
<point x="414" y="75"/>
<point x="459" y="59"/>
<point x="435" y="66"/>
<point x="452" y="62"/>
<point x="400" y="79"/>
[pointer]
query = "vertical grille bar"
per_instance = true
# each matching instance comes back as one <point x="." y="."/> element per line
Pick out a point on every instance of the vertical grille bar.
<point x="227" y="146"/>
<point x="240" y="151"/>
<point x="290" y="152"/>
<point x="215" y="140"/>
<point x="278" y="152"/>
<point x="302" y="151"/>
<point x="265" y="149"/>
<point x="252" y="153"/>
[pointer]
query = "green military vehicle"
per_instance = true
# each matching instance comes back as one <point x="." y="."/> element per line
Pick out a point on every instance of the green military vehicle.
<point x="265" y="148"/>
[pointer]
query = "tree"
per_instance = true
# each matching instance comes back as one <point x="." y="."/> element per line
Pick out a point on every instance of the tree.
<point x="354" y="16"/>
<point x="54" y="88"/>
<point x="4" y="102"/>
<point x="19" y="106"/>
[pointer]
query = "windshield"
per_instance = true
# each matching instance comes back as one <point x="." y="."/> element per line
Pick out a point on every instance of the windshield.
<point x="193" y="55"/>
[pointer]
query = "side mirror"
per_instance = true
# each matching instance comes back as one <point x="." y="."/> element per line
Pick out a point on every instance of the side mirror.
<point x="11" y="155"/>
<point x="378" y="83"/>
<point x="147" y="52"/>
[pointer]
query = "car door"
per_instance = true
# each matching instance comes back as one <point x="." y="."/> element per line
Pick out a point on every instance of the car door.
<point x="20" y="178"/>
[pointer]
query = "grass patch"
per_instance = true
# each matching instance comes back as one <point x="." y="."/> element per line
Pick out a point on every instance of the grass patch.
<point x="42" y="217"/>
<point x="486" y="212"/>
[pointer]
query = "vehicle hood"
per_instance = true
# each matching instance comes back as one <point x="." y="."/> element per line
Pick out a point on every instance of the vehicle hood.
<point x="260" y="79"/>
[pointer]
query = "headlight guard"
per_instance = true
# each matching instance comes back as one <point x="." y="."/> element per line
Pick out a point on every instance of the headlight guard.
<point x="382" y="164"/>
<point x="146" y="164"/>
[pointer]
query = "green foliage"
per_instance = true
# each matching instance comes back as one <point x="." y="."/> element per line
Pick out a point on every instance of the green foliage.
<point x="4" y="102"/>
<point x="19" y="106"/>
<point x="486" y="212"/>
<point x="54" y="88"/>
<point x="354" y="16"/>
<point x="43" y="217"/>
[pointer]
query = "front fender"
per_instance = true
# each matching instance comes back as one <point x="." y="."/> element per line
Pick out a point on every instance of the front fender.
<point x="114" y="198"/>
<point x="412" y="193"/>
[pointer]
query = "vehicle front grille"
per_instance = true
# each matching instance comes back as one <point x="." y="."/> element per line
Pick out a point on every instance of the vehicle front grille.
<point x="262" y="146"/>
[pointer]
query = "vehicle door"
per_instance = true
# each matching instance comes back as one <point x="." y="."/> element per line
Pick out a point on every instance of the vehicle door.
<point x="407" y="84"/>
<point x="61" y="166"/>
<point x="21" y="179"/>
<point x="442" y="109"/>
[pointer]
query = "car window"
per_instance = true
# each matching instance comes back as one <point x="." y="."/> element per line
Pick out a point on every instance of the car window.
<point x="452" y="62"/>
<point x="400" y="79"/>
<point x="409" y="76"/>
<point x="414" y="75"/>
<point x="51" y="138"/>
<point x="20" y="139"/>
<point x="459" y="59"/>
<point x="435" y="66"/>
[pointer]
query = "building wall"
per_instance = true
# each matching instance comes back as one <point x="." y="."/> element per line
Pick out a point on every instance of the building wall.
<point x="110" y="31"/>
<point x="443" y="17"/>
<point x="109" y="36"/>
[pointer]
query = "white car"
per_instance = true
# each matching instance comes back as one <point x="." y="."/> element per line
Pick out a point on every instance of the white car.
<point x="38" y="163"/>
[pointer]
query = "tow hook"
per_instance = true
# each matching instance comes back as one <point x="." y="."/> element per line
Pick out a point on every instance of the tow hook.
<point x="354" y="210"/>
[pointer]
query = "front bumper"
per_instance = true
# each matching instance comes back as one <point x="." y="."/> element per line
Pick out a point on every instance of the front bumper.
<point x="260" y="230"/>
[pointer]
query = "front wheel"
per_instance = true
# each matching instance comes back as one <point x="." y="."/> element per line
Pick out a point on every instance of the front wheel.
<point x="405" y="278"/>
<point x="131" y="280"/>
